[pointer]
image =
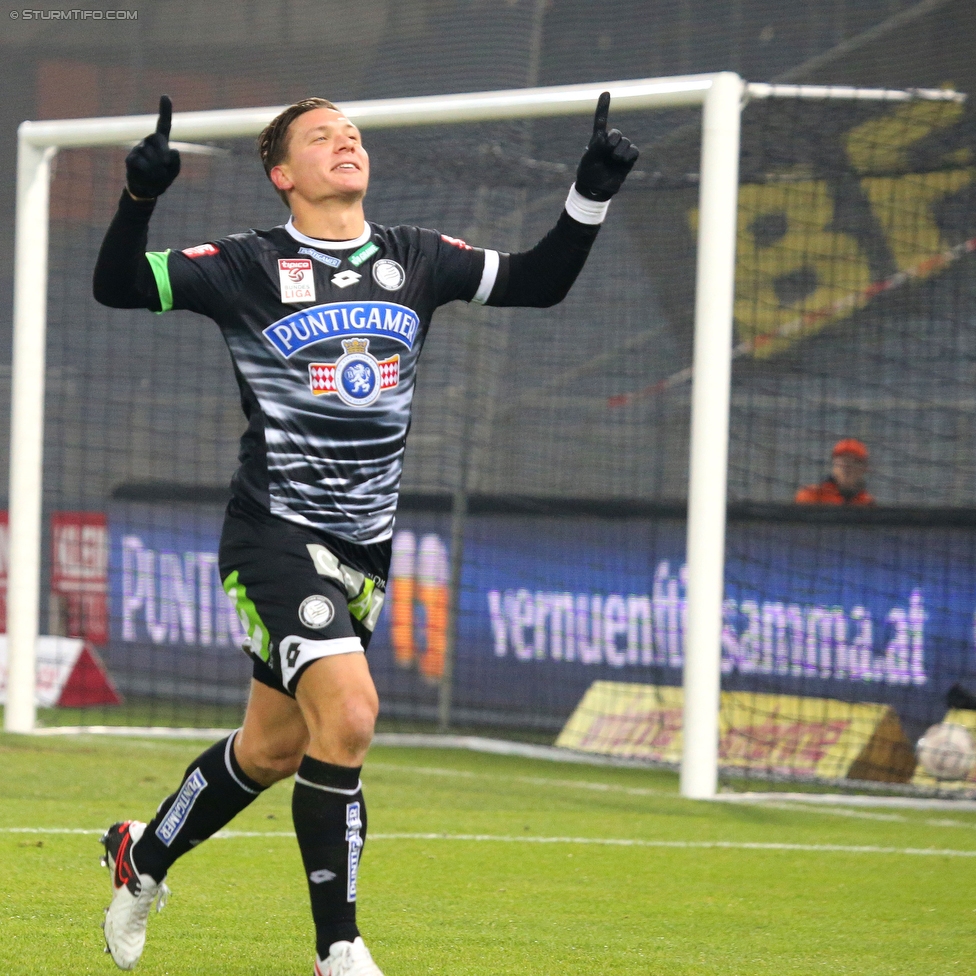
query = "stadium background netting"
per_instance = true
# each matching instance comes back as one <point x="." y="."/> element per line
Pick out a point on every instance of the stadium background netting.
<point x="565" y="430"/>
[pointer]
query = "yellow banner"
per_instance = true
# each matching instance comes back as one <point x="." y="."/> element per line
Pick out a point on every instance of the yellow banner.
<point x="776" y="734"/>
<point x="800" y="263"/>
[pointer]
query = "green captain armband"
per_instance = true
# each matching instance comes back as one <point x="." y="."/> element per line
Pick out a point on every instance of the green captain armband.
<point x="159" y="262"/>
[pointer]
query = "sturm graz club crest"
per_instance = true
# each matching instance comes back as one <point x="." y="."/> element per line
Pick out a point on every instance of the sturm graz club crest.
<point x="388" y="274"/>
<point x="357" y="378"/>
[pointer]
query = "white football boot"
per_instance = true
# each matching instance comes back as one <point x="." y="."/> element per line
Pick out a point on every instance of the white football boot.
<point x="347" y="959"/>
<point x="133" y="895"/>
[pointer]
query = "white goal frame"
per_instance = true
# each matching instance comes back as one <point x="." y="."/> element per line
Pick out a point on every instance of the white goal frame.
<point x="721" y="95"/>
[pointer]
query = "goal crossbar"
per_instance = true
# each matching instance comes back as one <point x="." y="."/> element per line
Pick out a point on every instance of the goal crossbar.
<point x="721" y="95"/>
<point x="521" y="103"/>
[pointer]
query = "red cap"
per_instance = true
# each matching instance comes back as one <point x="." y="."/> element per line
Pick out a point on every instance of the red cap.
<point x="851" y="447"/>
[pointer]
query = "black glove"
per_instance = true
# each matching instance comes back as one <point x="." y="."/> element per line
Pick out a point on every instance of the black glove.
<point x="609" y="157"/>
<point x="151" y="166"/>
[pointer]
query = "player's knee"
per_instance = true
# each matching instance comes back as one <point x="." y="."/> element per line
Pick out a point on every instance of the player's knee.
<point x="352" y="725"/>
<point x="269" y="762"/>
<point x="276" y="765"/>
<point x="358" y="721"/>
<point x="340" y="705"/>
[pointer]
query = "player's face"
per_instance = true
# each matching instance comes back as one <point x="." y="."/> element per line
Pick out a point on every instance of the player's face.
<point x="325" y="158"/>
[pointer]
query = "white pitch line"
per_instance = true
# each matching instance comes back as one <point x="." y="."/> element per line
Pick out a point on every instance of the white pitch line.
<point x="867" y="815"/>
<point x="595" y="841"/>
<point x="48" y="830"/>
<point x="852" y="800"/>
<point x="813" y="803"/>
<point x="840" y="812"/>
<point x="575" y="784"/>
<point x="683" y="844"/>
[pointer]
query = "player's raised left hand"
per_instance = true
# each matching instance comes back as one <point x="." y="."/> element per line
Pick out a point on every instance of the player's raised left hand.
<point x="609" y="157"/>
<point x="151" y="166"/>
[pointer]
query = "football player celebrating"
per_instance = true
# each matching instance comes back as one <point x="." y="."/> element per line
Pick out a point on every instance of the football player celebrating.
<point x="325" y="317"/>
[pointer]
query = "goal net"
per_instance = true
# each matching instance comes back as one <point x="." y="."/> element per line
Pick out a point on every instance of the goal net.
<point x="539" y="579"/>
<point x="844" y="627"/>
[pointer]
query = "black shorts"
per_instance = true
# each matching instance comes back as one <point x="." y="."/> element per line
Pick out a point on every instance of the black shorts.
<point x="300" y="594"/>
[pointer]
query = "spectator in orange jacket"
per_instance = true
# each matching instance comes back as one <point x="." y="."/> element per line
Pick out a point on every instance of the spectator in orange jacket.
<point x="845" y="486"/>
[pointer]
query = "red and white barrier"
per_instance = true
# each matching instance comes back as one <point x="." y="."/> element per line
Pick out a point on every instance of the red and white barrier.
<point x="70" y="674"/>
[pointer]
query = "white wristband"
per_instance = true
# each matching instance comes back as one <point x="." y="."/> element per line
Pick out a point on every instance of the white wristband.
<point x="586" y="211"/>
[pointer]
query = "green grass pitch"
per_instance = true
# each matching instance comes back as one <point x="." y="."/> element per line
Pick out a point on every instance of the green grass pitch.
<point x="548" y="899"/>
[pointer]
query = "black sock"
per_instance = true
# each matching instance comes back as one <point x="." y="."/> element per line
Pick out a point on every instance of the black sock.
<point x="330" y="823"/>
<point x="214" y="790"/>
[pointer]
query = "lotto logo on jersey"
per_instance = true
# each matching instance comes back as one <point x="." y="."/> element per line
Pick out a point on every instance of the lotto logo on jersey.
<point x="357" y="378"/>
<point x="457" y="242"/>
<point x="297" y="280"/>
<point x="201" y="250"/>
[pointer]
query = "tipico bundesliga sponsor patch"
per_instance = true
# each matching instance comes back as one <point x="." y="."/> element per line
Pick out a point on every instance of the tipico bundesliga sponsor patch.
<point x="297" y="280"/>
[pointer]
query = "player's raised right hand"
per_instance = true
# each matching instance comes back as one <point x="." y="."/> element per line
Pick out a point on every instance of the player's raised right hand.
<point x="151" y="166"/>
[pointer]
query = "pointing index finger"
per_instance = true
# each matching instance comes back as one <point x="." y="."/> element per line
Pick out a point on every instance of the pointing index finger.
<point x="602" y="111"/>
<point x="165" y="120"/>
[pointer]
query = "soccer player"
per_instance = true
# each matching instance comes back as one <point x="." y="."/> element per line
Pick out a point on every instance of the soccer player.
<point x="325" y="318"/>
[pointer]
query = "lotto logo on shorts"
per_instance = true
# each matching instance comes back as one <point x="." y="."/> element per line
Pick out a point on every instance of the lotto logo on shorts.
<point x="173" y="821"/>
<point x="357" y="378"/>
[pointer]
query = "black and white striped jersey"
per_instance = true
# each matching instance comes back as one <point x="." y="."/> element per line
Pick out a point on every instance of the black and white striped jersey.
<point x="325" y="338"/>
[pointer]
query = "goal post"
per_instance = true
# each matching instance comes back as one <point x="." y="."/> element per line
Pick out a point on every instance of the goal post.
<point x="27" y="428"/>
<point x="712" y="368"/>
<point x="720" y="96"/>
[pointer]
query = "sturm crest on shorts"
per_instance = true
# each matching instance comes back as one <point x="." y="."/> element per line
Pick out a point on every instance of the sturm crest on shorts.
<point x="357" y="378"/>
<point x="316" y="612"/>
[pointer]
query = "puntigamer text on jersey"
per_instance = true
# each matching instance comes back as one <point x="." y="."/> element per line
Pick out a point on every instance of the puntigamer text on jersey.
<point x="300" y="329"/>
